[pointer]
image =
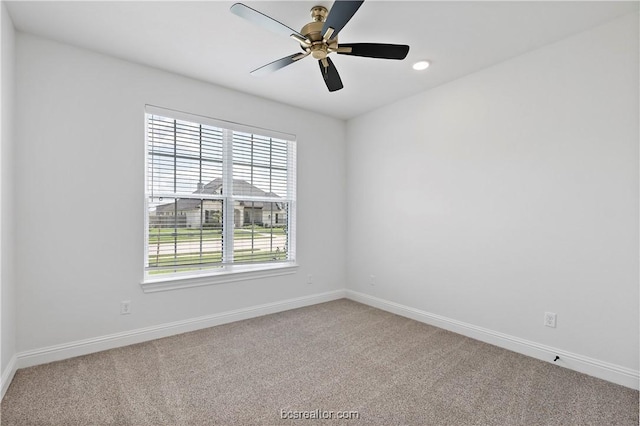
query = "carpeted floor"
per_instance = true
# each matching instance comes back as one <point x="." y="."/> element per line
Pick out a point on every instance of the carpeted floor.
<point x="340" y="356"/>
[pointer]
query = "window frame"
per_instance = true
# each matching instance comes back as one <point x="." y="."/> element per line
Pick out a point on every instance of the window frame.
<point x="227" y="272"/>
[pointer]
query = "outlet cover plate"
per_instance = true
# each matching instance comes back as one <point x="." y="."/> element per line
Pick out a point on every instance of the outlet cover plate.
<point x="550" y="319"/>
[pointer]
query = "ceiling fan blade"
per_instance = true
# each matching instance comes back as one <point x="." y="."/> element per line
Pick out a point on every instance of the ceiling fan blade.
<point x="330" y="75"/>
<point x="341" y="12"/>
<point x="263" y="20"/>
<point x="374" y="50"/>
<point x="280" y="63"/>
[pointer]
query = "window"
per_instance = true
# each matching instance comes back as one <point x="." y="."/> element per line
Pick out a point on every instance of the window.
<point x="220" y="197"/>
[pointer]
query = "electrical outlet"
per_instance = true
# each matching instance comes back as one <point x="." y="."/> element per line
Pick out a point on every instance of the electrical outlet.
<point x="372" y="280"/>
<point x="125" y="307"/>
<point x="550" y="319"/>
<point x="309" y="279"/>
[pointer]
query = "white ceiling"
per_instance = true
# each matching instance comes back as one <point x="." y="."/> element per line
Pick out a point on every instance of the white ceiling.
<point x="203" y="40"/>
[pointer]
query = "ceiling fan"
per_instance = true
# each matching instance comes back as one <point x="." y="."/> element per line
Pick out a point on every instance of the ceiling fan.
<point x="319" y="38"/>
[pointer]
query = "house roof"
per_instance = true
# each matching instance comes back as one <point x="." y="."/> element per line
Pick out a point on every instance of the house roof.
<point x="240" y="187"/>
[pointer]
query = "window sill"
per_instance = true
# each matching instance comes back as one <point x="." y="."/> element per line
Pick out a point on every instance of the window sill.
<point x="238" y="273"/>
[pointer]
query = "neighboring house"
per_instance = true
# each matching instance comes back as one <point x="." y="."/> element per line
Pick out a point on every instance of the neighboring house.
<point x="193" y="213"/>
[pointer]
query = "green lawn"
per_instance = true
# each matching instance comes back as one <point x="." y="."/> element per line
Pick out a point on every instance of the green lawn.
<point x="240" y="255"/>
<point x="169" y="235"/>
<point x="185" y="259"/>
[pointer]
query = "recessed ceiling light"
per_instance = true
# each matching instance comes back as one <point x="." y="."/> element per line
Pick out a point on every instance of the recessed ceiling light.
<point x="421" y="65"/>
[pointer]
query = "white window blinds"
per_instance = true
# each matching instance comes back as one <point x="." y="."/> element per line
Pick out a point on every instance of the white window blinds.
<point x="218" y="195"/>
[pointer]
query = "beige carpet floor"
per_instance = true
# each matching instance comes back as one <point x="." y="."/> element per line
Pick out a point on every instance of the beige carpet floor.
<point x="337" y="356"/>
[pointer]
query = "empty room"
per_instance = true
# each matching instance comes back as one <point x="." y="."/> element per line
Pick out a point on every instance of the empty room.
<point x="319" y="212"/>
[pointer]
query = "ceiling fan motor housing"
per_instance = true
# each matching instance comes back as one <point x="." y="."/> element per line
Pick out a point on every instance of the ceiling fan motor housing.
<point x="319" y="48"/>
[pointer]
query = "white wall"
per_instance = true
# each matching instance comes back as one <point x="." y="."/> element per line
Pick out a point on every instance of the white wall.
<point x="510" y="192"/>
<point x="7" y="281"/>
<point x="80" y="195"/>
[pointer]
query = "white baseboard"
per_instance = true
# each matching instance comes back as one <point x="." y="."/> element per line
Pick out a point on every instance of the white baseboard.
<point x="7" y="376"/>
<point x="97" y="344"/>
<point x="593" y="367"/>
